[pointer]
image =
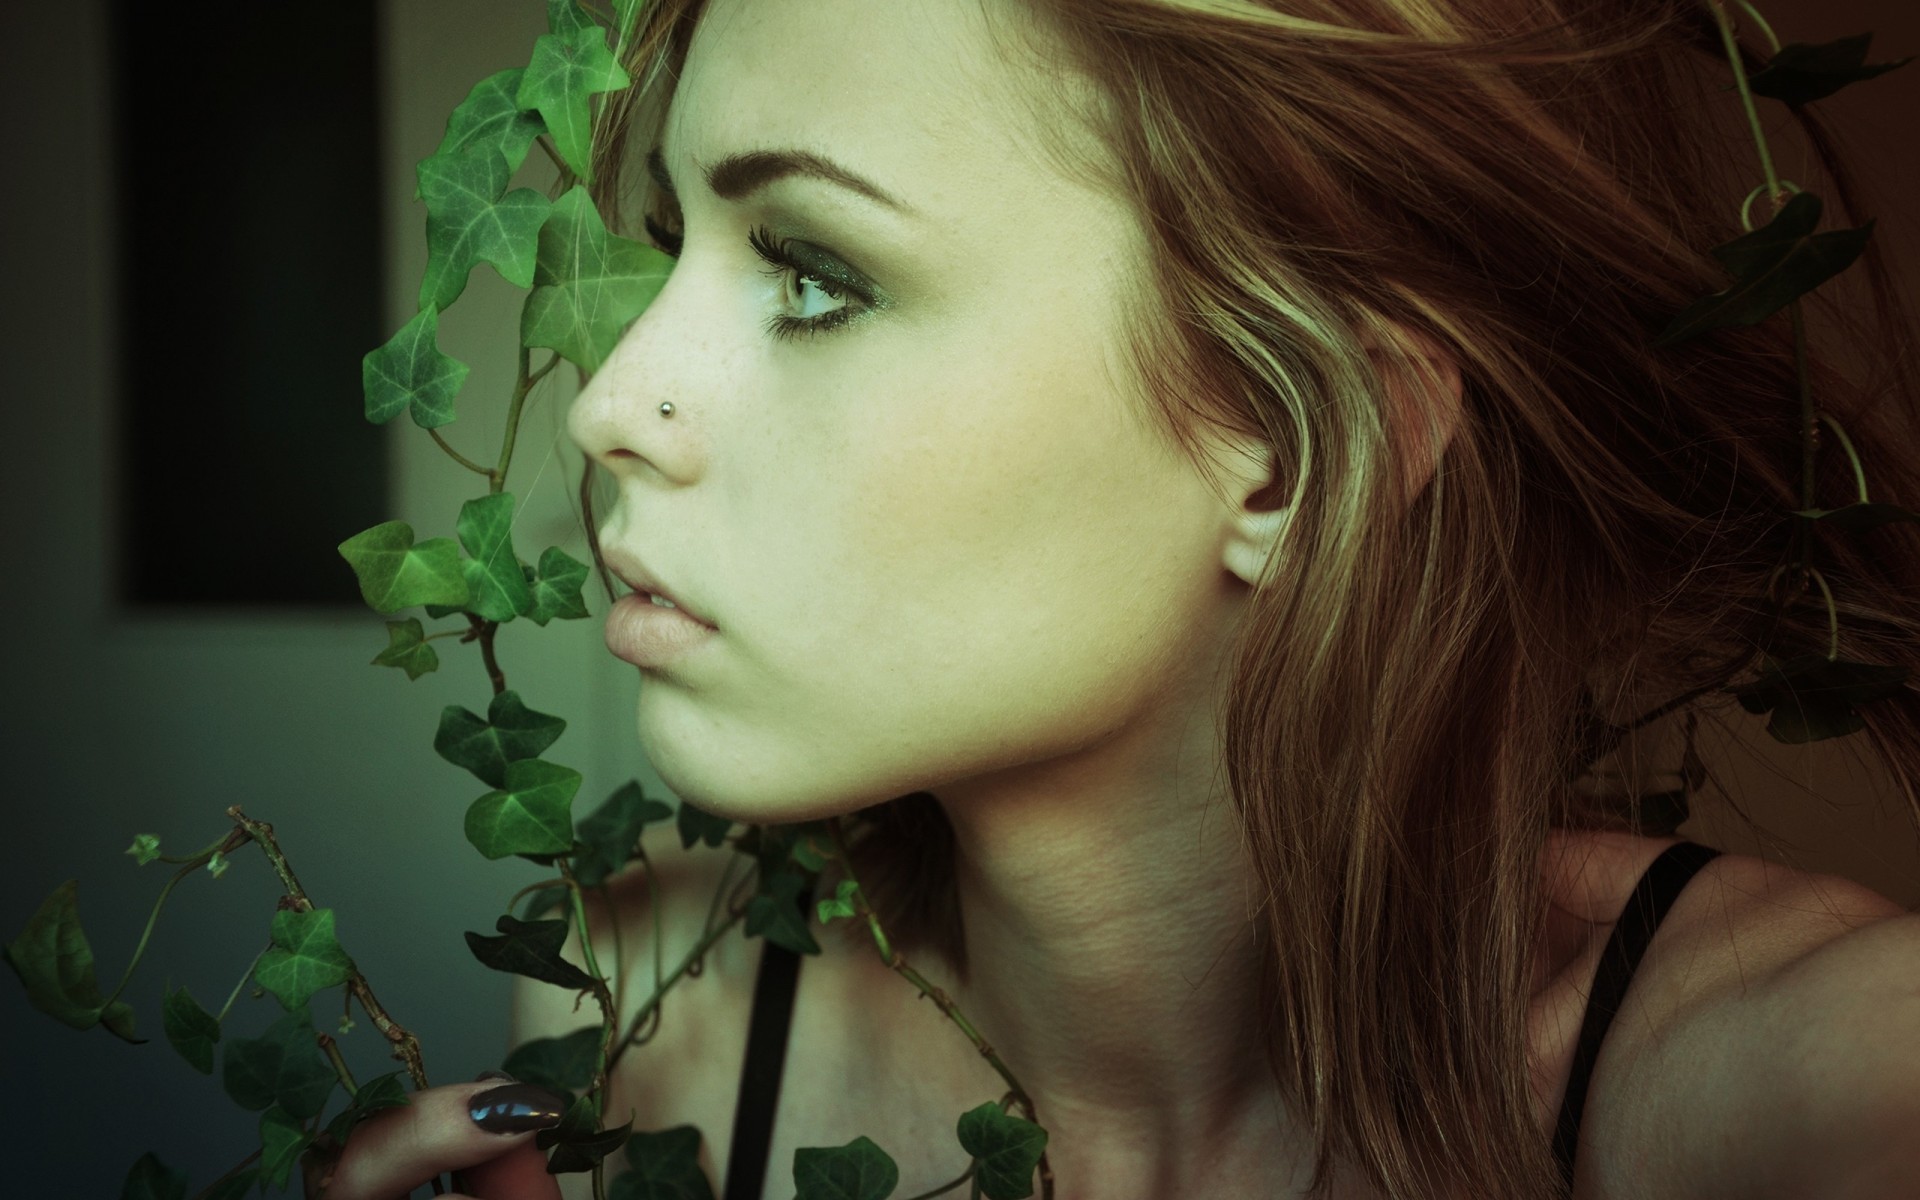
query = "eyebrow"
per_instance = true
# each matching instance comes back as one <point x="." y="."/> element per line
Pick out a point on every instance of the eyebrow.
<point x="738" y="176"/>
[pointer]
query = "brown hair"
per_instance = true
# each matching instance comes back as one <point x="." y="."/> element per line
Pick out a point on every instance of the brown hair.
<point x="1532" y="185"/>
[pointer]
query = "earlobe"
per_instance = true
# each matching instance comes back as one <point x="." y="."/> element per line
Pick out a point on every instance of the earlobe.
<point x="1255" y="538"/>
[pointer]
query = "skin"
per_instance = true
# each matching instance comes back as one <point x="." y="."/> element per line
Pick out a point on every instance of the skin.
<point x="943" y="552"/>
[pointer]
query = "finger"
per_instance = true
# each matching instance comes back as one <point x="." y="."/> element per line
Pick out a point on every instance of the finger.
<point x="519" y="1174"/>
<point x="396" y="1150"/>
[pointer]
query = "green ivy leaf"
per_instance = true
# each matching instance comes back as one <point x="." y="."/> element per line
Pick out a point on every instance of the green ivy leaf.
<point x="1813" y="699"/>
<point x="304" y="958"/>
<point x="1007" y="1149"/>
<point x="191" y="1030"/>
<point x="497" y="588"/>
<point x="556" y="588"/>
<point x="532" y="814"/>
<point x="778" y="912"/>
<point x="410" y="375"/>
<point x="530" y="948"/>
<point x="1853" y="518"/>
<point x="577" y="1142"/>
<point x="281" y="1141"/>
<point x="1799" y="73"/>
<point x="395" y="574"/>
<point x="145" y="848"/>
<point x="52" y="958"/>
<point x="490" y="117"/>
<point x="589" y="285"/>
<point x="696" y="825"/>
<point x="859" y="1170"/>
<point x="566" y="1063"/>
<point x="472" y="218"/>
<point x="408" y="649"/>
<point x="666" y="1166"/>
<point x="1772" y="266"/>
<point x="567" y="17"/>
<point x="842" y="903"/>
<point x="567" y="71"/>
<point x="609" y="832"/>
<point x="512" y="732"/>
<point x="282" y="1066"/>
<point x="382" y="1091"/>
<point x="151" y="1179"/>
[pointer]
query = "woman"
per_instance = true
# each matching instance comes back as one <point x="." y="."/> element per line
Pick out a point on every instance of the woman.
<point x="1178" y="468"/>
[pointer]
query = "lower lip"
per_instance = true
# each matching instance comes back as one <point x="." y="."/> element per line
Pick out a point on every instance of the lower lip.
<point x="647" y="635"/>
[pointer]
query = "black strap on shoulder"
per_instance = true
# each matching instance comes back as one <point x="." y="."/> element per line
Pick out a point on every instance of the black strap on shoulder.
<point x="773" y="992"/>
<point x="1654" y="895"/>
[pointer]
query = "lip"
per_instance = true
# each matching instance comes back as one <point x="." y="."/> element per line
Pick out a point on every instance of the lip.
<point x="635" y="575"/>
<point x="646" y="635"/>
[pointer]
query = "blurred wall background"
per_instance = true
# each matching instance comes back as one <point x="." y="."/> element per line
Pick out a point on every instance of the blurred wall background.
<point x="122" y="722"/>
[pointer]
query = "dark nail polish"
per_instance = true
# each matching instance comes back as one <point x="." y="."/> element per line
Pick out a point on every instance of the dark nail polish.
<point x="517" y="1107"/>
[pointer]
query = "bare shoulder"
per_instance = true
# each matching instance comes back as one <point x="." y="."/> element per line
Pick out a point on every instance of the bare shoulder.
<point x="682" y="1074"/>
<point x="1704" y="1085"/>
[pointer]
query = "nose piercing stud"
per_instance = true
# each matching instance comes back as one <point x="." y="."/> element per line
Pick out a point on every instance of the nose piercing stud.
<point x="666" y="408"/>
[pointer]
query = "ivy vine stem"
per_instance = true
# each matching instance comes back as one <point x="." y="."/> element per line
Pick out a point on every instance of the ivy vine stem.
<point x="405" y="1046"/>
<point x="225" y="846"/>
<point x="734" y="914"/>
<point x="898" y="963"/>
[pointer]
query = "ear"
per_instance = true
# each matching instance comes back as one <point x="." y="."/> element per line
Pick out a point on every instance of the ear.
<point x="1422" y="383"/>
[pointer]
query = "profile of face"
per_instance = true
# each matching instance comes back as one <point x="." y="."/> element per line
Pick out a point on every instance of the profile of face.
<point x="939" y="542"/>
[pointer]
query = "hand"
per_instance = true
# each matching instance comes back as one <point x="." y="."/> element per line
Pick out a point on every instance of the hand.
<point x="396" y="1150"/>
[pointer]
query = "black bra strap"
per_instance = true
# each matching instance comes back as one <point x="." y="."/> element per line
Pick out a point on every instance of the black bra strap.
<point x="1657" y="890"/>
<point x="773" y="992"/>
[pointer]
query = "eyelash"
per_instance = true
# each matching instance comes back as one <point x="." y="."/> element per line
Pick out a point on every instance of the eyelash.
<point x="780" y="263"/>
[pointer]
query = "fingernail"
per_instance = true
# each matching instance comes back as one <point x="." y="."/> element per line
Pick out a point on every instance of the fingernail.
<point x="517" y="1107"/>
<point x="486" y="1075"/>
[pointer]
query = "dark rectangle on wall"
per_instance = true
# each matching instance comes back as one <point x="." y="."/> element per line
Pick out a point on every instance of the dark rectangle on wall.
<point x="248" y="193"/>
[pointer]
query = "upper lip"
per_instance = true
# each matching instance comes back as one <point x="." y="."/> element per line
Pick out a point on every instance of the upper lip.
<point x="636" y="576"/>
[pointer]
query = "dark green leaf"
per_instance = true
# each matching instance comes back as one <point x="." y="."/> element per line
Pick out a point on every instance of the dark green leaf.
<point x="52" y="958"/>
<point x="556" y="588"/>
<point x="1006" y="1148"/>
<point x="698" y="826"/>
<point x="666" y="1166"/>
<point x="1813" y="699"/>
<point x="470" y="220"/>
<point x="491" y="117"/>
<point x="1772" y="266"/>
<point x="859" y="1170"/>
<point x="585" y="1153"/>
<point x="777" y="912"/>
<point x="190" y="1029"/>
<point x="567" y="71"/>
<point x="282" y="1065"/>
<point x="407" y="649"/>
<point x="532" y="814"/>
<point x="1856" y="517"/>
<point x="281" y="1141"/>
<point x="497" y="586"/>
<point x="566" y="1063"/>
<point x="511" y="733"/>
<point x="609" y="833"/>
<point x="530" y="948"/>
<point x="410" y="375"/>
<point x="151" y="1179"/>
<point x="1799" y="73"/>
<point x="305" y="957"/>
<point x="589" y="285"/>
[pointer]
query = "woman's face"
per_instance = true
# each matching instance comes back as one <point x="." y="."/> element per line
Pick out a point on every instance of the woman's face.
<point x="938" y="541"/>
